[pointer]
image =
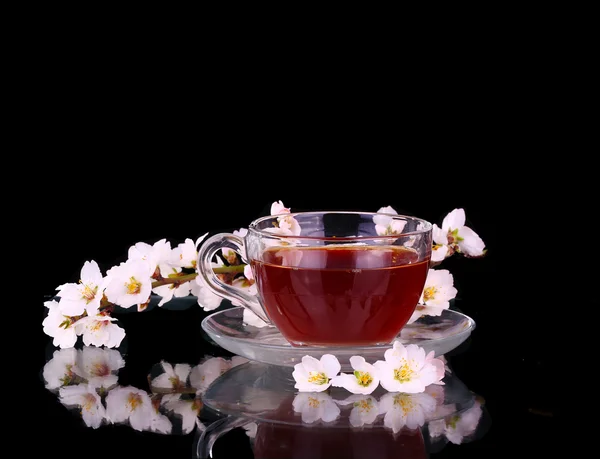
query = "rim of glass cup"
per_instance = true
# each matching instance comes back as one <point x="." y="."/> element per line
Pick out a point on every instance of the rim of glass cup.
<point x="253" y="226"/>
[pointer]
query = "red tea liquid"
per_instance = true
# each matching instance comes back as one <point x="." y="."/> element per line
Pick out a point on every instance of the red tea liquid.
<point x="340" y="295"/>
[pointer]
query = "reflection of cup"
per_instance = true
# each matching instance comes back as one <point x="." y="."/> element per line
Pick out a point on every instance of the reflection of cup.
<point x="277" y="441"/>
<point x="329" y="278"/>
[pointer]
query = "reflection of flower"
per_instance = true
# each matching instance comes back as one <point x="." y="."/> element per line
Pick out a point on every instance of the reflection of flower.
<point x="129" y="403"/>
<point x="173" y="377"/>
<point x="365" y="409"/>
<point x="188" y="409"/>
<point x="99" y="366"/>
<point x="159" y="422"/>
<point x="364" y="380"/>
<point x="315" y="406"/>
<point x="408" y="410"/>
<point x="86" y="398"/>
<point x="59" y="326"/>
<point x="204" y="374"/>
<point x="86" y="295"/>
<point x="314" y="375"/>
<point x="59" y="370"/>
<point x="457" y="426"/>
<point x="250" y="429"/>
<point x="408" y="369"/>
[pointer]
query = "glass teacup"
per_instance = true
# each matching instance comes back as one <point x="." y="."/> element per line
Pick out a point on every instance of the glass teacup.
<point x="329" y="278"/>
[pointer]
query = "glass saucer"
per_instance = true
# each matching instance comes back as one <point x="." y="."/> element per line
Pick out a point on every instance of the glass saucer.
<point x="440" y="334"/>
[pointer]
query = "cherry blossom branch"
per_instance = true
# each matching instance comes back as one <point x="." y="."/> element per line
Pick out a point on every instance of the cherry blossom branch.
<point x="188" y="277"/>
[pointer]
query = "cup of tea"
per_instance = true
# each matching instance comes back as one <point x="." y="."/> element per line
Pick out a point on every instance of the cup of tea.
<point x="329" y="278"/>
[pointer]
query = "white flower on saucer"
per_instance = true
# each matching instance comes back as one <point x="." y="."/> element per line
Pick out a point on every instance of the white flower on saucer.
<point x="385" y="225"/>
<point x="206" y="298"/>
<point x="410" y="410"/>
<point x="438" y="291"/>
<point x="188" y="409"/>
<point x="455" y="234"/>
<point x="364" y="380"/>
<point x="158" y="256"/>
<point x="408" y="369"/>
<point x="365" y="409"/>
<point x="314" y="375"/>
<point x="130" y="284"/>
<point x="173" y="377"/>
<point x="99" y="330"/>
<point x="88" y="400"/>
<point x="315" y="406"/>
<point x="99" y="367"/>
<point x="86" y="295"/>
<point x="130" y="404"/>
<point x="185" y="254"/>
<point x="59" y="326"/>
<point x="61" y="369"/>
<point x="202" y="375"/>
<point x="249" y="318"/>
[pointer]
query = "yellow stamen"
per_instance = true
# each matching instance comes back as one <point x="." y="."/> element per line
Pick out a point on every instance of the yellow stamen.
<point x="100" y="369"/>
<point x="89" y="401"/>
<point x="133" y="286"/>
<point x="133" y="401"/>
<point x="317" y="378"/>
<point x="429" y="293"/>
<point x="404" y="373"/>
<point x="405" y="403"/>
<point x="363" y="378"/>
<point x="313" y="402"/>
<point x="364" y="405"/>
<point x="88" y="293"/>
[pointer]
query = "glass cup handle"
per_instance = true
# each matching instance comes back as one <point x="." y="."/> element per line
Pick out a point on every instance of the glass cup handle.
<point x="206" y="252"/>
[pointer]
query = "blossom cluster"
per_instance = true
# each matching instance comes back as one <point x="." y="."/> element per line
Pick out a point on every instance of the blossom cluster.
<point x="405" y="369"/>
<point x="85" y="308"/>
<point x="87" y="380"/>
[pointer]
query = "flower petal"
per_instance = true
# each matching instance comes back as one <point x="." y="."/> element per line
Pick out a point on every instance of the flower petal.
<point x="331" y="365"/>
<point x="471" y="244"/>
<point x="454" y="220"/>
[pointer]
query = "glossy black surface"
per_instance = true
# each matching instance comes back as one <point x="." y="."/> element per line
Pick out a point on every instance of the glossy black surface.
<point x="505" y="362"/>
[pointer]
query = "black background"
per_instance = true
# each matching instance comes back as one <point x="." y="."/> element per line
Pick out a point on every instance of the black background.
<point x="114" y="191"/>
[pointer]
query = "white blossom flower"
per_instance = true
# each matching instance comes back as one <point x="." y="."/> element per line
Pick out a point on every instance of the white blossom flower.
<point x="246" y="282"/>
<point x="290" y="224"/>
<point x="278" y="208"/>
<point x="407" y="369"/>
<point x="457" y="426"/>
<point x="440" y="248"/>
<point x="188" y="409"/>
<point x="130" y="404"/>
<point x="99" y="330"/>
<point x="99" y="367"/>
<point x="364" y="380"/>
<point x="87" y="399"/>
<point x="168" y="291"/>
<point x="410" y="410"/>
<point x="130" y="284"/>
<point x="454" y="233"/>
<point x="84" y="296"/>
<point x="173" y="377"/>
<point x="61" y="369"/>
<point x="201" y="238"/>
<point x="157" y="256"/>
<point x="385" y="225"/>
<point x="59" y="326"/>
<point x="438" y="291"/>
<point x="249" y="318"/>
<point x="185" y="254"/>
<point x="365" y="409"/>
<point x="206" y="298"/>
<point x="202" y="375"/>
<point x="315" y="406"/>
<point x="314" y="375"/>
